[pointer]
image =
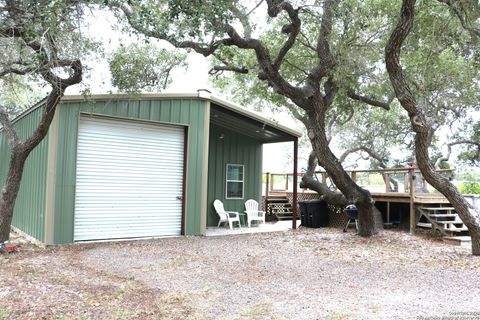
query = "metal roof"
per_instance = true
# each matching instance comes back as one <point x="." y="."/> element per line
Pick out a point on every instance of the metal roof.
<point x="223" y="113"/>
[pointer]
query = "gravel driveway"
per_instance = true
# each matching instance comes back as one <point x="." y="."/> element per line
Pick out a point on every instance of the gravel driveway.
<point x="303" y="274"/>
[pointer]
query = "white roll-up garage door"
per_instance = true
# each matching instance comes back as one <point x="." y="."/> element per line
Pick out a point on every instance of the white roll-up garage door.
<point x="129" y="179"/>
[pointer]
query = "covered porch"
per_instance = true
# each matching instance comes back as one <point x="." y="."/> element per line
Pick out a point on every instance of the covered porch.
<point x="235" y="157"/>
<point x="272" y="226"/>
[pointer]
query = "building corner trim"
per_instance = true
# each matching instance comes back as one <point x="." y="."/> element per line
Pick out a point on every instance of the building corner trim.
<point x="204" y="194"/>
<point x="51" y="179"/>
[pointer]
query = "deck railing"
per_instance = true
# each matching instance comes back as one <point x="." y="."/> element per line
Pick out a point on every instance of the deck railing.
<point x="374" y="180"/>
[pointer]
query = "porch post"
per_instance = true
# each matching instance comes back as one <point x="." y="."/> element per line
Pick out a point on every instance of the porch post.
<point x="295" y="183"/>
<point x="413" y="219"/>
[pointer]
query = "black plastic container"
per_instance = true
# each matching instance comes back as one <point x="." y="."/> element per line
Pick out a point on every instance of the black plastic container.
<point x="303" y="212"/>
<point x="314" y="213"/>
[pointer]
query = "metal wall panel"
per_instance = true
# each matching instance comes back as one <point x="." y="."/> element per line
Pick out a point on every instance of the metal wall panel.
<point x="232" y="148"/>
<point x="29" y="214"/>
<point x="186" y="112"/>
<point x="129" y="179"/>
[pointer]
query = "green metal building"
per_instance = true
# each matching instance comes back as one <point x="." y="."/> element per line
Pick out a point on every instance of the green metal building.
<point x="119" y="166"/>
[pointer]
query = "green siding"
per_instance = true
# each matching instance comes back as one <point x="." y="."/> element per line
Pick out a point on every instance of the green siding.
<point x="29" y="214"/>
<point x="187" y="112"/>
<point x="234" y="148"/>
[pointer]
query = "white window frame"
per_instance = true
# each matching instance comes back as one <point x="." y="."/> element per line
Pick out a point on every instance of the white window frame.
<point x="242" y="181"/>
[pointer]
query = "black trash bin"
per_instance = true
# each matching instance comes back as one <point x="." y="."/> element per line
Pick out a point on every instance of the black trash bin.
<point x="319" y="213"/>
<point x="314" y="213"/>
<point x="303" y="212"/>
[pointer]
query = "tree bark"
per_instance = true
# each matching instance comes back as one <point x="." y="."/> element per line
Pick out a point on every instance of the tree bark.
<point x="475" y="242"/>
<point x="10" y="191"/>
<point x="422" y="128"/>
<point x="308" y="181"/>
<point x="352" y="192"/>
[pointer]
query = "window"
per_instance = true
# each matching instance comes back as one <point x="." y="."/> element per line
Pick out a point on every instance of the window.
<point x="234" y="181"/>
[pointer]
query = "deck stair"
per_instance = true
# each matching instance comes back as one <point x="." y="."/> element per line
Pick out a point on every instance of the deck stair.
<point x="441" y="218"/>
<point x="279" y="208"/>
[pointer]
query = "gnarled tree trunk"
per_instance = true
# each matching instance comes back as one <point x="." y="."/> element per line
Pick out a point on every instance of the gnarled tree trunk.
<point x="352" y="192"/>
<point x="423" y="130"/>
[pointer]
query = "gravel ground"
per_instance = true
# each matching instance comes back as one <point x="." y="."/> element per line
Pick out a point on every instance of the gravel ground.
<point x="303" y="274"/>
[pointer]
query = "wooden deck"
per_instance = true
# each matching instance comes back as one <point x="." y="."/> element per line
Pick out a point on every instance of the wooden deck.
<point x="403" y="180"/>
<point x="418" y="198"/>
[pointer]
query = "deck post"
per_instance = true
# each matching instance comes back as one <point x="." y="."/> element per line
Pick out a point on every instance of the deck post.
<point x="388" y="211"/>
<point x="266" y="190"/>
<point x="272" y="175"/>
<point x="295" y="184"/>
<point x="354" y="176"/>
<point x="412" y="204"/>
<point x="387" y="182"/>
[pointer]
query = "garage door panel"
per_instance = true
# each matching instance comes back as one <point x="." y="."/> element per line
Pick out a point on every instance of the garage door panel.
<point x="129" y="180"/>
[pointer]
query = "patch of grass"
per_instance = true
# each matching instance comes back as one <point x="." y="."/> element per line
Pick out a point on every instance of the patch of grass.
<point x="176" y="306"/>
<point x="122" y="313"/>
<point x="122" y="291"/>
<point x="4" y="313"/>
<point x="337" y="315"/>
<point x="261" y="311"/>
<point x="174" y="263"/>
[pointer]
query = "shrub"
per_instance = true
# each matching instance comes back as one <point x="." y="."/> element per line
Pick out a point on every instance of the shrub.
<point x="469" y="188"/>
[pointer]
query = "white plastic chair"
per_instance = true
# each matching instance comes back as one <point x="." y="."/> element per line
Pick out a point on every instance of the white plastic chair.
<point x="253" y="214"/>
<point x="226" y="216"/>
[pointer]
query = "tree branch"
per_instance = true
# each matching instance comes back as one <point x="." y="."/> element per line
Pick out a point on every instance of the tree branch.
<point x="373" y="102"/>
<point x="219" y="69"/>
<point x="243" y="18"/>
<point x="371" y="153"/>
<point x="327" y="60"/>
<point x="446" y="157"/>
<point x="58" y="88"/>
<point x="291" y="29"/>
<point x="308" y="181"/>
<point x="8" y="128"/>
<point x="474" y="32"/>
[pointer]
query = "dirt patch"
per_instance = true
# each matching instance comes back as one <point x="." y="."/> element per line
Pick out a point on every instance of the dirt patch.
<point x="303" y="274"/>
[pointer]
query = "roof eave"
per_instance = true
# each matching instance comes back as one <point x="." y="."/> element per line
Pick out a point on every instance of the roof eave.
<point x="201" y="94"/>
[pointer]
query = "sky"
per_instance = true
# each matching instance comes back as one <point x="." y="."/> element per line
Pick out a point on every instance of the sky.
<point x="102" y="26"/>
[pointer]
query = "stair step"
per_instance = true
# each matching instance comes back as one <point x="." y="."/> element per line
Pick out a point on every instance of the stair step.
<point x="284" y="212"/>
<point x="438" y="208"/>
<point x="451" y="222"/>
<point x="284" y="217"/>
<point x="424" y="224"/>
<point x="443" y="215"/>
<point x="278" y="202"/>
<point x="456" y="229"/>
<point x="458" y="240"/>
